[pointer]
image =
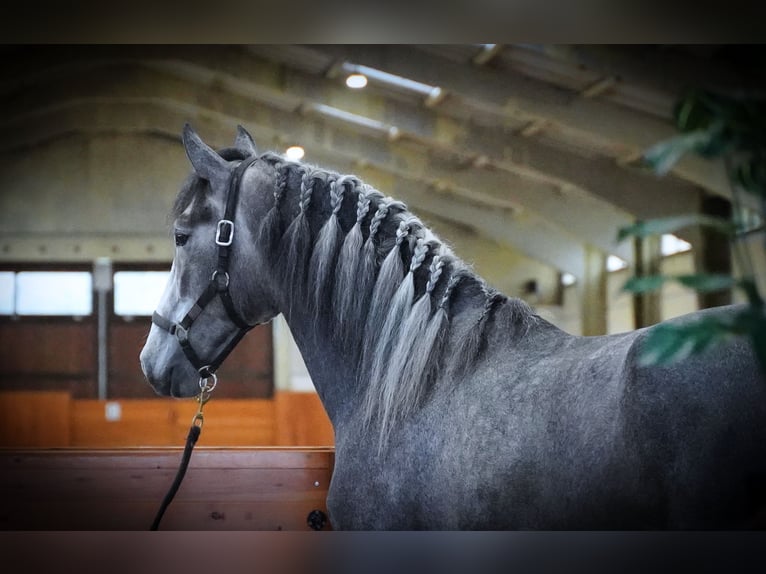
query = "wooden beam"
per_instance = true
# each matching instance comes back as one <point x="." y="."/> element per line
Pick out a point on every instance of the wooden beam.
<point x="593" y="299"/>
<point x="714" y="253"/>
<point x="579" y="214"/>
<point x="520" y="155"/>
<point x="516" y="96"/>
<point x="647" y="308"/>
<point x="666" y="69"/>
<point x="534" y="237"/>
<point x="290" y="88"/>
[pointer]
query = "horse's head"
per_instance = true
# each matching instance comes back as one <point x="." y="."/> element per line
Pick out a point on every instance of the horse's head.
<point x="214" y="292"/>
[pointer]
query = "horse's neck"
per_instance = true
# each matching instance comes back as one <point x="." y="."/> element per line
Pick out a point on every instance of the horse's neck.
<point x="332" y="369"/>
<point x="332" y="365"/>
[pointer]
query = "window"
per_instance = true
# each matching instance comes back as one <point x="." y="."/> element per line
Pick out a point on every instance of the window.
<point x="46" y="293"/>
<point x="7" y="292"/>
<point x="670" y="245"/>
<point x="136" y="293"/>
<point x="614" y="263"/>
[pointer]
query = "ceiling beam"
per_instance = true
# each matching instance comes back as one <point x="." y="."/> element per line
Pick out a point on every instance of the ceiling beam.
<point x="289" y="88"/>
<point x="531" y="236"/>
<point x="670" y="69"/>
<point x="634" y="191"/>
<point x="580" y="215"/>
<point x="516" y="96"/>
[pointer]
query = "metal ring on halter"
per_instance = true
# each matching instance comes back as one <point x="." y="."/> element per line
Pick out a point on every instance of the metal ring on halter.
<point x="216" y="274"/>
<point x="203" y="382"/>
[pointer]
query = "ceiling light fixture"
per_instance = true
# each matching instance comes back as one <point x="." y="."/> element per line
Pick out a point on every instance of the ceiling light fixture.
<point x="295" y="152"/>
<point x="356" y="81"/>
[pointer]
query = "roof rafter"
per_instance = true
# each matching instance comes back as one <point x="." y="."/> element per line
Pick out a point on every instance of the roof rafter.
<point x="514" y="95"/>
<point x="582" y="217"/>
<point x="527" y="234"/>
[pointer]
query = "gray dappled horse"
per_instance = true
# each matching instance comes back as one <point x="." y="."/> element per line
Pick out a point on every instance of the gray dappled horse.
<point x="454" y="407"/>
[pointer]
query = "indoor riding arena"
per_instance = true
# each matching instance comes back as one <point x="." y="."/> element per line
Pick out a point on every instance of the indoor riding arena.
<point x="594" y="189"/>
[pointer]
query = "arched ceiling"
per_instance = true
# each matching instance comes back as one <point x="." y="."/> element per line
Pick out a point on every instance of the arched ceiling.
<point x="534" y="148"/>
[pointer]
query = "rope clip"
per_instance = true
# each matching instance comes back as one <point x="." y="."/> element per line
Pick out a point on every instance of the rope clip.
<point x="206" y="389"/>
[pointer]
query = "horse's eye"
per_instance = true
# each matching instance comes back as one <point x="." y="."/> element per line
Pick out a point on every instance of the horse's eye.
<point x="181" y="239"/>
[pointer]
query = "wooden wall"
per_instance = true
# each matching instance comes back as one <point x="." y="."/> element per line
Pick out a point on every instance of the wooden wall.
<point x="56" y="419"/>
<point x="49" y="354"/>
<point x="59" y="354"/>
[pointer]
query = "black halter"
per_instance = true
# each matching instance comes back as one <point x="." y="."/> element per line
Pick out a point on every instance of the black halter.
<point x="218" y="286"/>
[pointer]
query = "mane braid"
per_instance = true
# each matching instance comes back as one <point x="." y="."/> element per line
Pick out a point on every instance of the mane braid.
<point x="296" y="245"/>
<point x="388" y="280"/>
<point x="392" y="345"/>
<point x="346" y="274"/>
<point x="409" y="372"/>
<point x="323" y="258"/>
<point x="367" y="272"/>
<point x="393" y="320"/>
<point x="471" y="346"/>
<point x="271" y="230"/>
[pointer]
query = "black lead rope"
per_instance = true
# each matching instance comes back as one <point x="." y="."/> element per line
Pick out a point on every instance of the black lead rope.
<point x="191" y="440"/>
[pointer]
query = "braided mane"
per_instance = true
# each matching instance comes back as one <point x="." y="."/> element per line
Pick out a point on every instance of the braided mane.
<point x="387" y="280"/>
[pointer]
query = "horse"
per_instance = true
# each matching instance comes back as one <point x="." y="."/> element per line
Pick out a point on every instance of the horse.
<point x="454" y="407"/>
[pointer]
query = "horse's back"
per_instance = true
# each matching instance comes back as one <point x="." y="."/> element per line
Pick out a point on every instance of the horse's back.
<point x="698" y="428"/>
<point x="554" y="431"/>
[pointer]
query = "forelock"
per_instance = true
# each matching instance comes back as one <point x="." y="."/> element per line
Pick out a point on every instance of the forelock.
<point x="193" y="194"/>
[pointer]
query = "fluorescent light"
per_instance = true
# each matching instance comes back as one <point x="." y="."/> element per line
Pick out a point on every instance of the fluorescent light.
<point x="295" y="152"/>
<point x="567" y="279"/>
<point x="391" y="79"/>
<point x="356" y="81"/>
<point x="348" y="117"/>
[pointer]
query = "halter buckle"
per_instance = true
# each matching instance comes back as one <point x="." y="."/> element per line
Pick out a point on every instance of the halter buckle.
<point x="181" y="333"/>
<point x="224" y="233"/>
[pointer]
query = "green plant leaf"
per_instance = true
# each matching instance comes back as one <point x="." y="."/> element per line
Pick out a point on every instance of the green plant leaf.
<point x="644" y="284"/>
<point x="666" y="343"/>
<point x="750" y="174"/>
<point x="702" y="282"/>
<point x="662" y="156"/>
<point x="705" y="282"/>
<point x="671" y="224"/>
<point x="692" y="112"/>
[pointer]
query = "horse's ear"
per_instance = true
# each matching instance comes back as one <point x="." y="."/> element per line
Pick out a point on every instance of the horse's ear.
<point x="244" y="142"/>
<point x="206" y="162"/>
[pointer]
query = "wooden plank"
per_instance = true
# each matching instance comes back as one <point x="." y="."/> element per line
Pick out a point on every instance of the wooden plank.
<point x="142" y="423"/>
<point x="34" y="418"/>
<point x="158" y="458"/>
<point x="300" y="419"/>
<point x="120" y="515"/>
<point x="43" y="348"/>
<point x="224" y="489"/>
<point x="40" y="419"/>
<point x="218" y="484"/>
<point x="158" y="422"/>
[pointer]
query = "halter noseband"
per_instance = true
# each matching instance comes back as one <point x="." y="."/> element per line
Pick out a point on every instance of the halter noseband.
<point x="219" y="285"/>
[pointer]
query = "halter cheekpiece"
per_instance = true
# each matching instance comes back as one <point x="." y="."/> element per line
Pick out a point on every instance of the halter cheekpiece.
<point x="218" y="286"/>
